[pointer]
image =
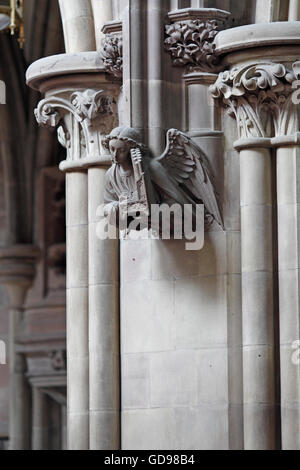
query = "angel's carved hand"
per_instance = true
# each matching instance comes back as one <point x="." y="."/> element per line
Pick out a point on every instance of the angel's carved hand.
<point x="111" y="210"/>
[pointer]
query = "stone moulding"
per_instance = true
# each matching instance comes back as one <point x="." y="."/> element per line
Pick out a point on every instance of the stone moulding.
<point x="111" y="51"/>
<point x="259" y="96"/>
<point x="40" y="74"/>
<point x="191" y="35"/>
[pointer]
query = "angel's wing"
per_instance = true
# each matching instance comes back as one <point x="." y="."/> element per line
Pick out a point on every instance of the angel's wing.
<point x="184" y="162"/>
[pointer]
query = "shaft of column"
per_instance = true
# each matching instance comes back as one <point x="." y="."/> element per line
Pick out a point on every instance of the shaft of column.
<point x="267" y="11"/>
<point x="294" y="10"/>
<point x="156" y="85"/>
<point x="288" y="162"/>
<point x="103" y="12"/>
<point x="257" y="299"/>
<point x="77" y="310"/>
<point x="40" y="420"/>
<point x="19" y="397"/>
<point x="134" y="80"/>
<point x="103" y="327"/>
<point x="78" y="25"/>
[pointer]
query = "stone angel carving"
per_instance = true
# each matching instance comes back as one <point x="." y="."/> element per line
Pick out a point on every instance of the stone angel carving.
<point x="128" y="187"/>
<point x="182" y="175"/>
<point x="135" y="180"/>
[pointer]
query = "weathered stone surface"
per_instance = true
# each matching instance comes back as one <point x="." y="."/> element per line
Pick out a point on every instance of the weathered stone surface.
<point x="208" y="338"/>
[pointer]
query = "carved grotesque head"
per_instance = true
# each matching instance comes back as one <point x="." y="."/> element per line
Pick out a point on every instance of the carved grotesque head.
<point x="119" y="143"/>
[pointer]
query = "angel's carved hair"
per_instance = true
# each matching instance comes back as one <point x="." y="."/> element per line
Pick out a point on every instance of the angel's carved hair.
<point x="125" y="134"/>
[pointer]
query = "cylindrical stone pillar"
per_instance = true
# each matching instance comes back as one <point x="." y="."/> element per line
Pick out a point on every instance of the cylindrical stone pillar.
<point x="294" y="10"/>
<point x="84" y="106"/>
<point x="40" y="420"/>
<point x="288" y="168"/>
<point x="103" y="12"/>
<point x="134" y="79"/>
<point x="104" y="359"/>
<point x="156" y="12"/>
<point x="78" y="25"/>
<point x="19" y="400"/>
<point x="77" y="310"/>
<point x="257" y="298"/>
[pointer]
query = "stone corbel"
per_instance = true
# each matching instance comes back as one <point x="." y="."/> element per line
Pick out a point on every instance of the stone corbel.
<point x="82" y="118"/>
<point x="260" y="97"/>
<point x="191" y="38"/>
<point x="111" y="51"/>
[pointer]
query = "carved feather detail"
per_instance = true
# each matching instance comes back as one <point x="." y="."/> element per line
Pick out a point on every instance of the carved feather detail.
<point x="185" y="163"/>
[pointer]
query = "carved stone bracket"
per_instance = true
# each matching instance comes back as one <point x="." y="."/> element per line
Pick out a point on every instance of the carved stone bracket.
<point x="83" y="118"/>
<point x="259" y="96"/>
<point x="112" y="49"/>
<point x="190" y="38"/>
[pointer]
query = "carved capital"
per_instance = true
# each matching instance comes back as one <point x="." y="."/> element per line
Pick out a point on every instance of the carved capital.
<point x="91" y="104"/>
<point x="259" y="96"/>
<point x="190" y="38"/>
<point x="82" y="119"/>
<point x="111" y="51"/>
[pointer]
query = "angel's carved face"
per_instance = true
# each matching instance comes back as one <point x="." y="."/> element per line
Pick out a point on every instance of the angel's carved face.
<point x="120" y="151"/>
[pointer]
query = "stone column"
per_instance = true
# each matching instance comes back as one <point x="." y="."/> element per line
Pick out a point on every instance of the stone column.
<point x="134" y="76"/>
<point x="257" y="296"/>
<point x="17" y="269"/>
<point x="103" y="324"/>
<point x="79" y="34"/>
<point x="83" y="107"/>
<point x="294" y="10"/>
<point x="40" y="420"/>
<point x="78" y="25"/>
<point x="286" y="142"/>
<point x="156" y="83"/>
<point x="288" y="198"/>
<point x="103" y="12"/>
<point x="77" y="309"/>
<point x="257" y="195"/>
<point x="267" y="11"/>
